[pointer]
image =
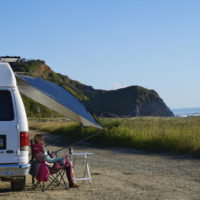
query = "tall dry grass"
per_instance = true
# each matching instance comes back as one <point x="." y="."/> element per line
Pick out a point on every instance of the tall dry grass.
<point x="177" y="135"/>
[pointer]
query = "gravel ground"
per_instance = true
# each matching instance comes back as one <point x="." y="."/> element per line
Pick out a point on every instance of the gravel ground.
<point x="119" y="173"/>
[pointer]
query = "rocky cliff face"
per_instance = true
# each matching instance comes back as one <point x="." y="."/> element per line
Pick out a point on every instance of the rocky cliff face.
<point x="125" y="102"/>
<point x="128" y="102"/>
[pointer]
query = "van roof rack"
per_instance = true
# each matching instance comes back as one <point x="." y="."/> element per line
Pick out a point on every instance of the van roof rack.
<point x="9" y="59"/>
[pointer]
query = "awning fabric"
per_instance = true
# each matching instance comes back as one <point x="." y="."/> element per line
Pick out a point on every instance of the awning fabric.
<point x="56" y="98"/>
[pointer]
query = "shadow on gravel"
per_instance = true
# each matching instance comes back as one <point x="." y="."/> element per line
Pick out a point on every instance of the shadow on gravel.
<point x="145" y="153"/>
<point x="4" y="191"/>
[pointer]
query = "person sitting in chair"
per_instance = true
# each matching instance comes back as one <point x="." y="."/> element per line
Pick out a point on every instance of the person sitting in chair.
<point x="41" y="156"/>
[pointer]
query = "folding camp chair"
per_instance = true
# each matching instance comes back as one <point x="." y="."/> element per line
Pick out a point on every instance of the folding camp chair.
<point x="56" y="175"/>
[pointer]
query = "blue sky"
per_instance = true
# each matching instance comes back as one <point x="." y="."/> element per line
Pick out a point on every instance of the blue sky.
<point x="110" y="44"/>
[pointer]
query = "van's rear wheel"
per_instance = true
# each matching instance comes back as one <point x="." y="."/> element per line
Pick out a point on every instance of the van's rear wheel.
<point x="18" y="184"/>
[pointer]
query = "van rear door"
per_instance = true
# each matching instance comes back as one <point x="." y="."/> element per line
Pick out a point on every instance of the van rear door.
<point x="9" y="143"/>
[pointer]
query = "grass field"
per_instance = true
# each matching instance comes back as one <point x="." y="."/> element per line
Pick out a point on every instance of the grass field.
<point x="155" y="134"/>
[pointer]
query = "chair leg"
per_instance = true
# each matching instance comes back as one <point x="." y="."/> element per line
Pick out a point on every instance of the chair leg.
<point x="62" y="181"/>
<point x="42" y="186"/>
<point x="51" y="181"/>
<point x="57" y="178"/>
<point x="34" y="183"/>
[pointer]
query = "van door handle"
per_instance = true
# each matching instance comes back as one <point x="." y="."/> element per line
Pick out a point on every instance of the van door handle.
<point x="17" y="126"/>
<point x="10" y="151"/>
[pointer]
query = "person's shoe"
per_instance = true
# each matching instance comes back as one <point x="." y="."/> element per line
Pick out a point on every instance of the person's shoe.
<point x="74" y="185"/>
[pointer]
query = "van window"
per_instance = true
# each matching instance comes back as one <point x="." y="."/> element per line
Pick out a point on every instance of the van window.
<point x="6" y="106"/>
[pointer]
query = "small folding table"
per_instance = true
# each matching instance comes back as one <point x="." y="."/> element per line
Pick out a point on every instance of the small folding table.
<point x="86" y="175"/>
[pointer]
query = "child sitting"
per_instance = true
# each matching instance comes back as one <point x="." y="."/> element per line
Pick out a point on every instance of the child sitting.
<point x="42" y="157"/>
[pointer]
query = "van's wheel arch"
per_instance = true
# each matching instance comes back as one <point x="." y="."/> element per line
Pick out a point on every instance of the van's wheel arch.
<point x="18" y="184"/>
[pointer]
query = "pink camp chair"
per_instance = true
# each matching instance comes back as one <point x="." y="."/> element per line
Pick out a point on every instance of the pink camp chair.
<point x="47" y="175"/>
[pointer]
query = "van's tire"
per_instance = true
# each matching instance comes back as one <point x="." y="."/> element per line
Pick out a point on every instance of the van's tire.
<point x="18" y="184"/>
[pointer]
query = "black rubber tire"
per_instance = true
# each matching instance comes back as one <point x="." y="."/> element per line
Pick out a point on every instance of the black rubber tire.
<point x="18" y="185"/>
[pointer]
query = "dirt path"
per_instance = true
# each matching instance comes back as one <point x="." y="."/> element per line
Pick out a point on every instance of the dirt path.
<point x="125" y="174"/>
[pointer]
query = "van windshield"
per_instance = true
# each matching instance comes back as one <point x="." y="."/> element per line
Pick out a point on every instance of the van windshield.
<point x="6" y="106"/>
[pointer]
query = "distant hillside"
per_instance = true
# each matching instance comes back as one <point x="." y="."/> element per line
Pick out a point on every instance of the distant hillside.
<point x="125" y="102"/>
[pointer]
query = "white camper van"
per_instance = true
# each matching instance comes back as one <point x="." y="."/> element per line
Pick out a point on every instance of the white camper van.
<point x="14" y="140"/>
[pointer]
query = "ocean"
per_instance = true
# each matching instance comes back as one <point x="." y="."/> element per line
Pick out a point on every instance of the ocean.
<point x="185" y="112"/>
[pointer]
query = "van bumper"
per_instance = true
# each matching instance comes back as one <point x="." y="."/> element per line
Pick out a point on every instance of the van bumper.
<point x="14" y="170"/>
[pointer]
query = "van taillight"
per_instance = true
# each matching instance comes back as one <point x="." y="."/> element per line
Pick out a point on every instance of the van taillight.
<point x="24" y="141"/>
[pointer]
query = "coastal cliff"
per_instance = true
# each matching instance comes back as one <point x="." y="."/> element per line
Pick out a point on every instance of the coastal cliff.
<point x="126" y="102"/>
